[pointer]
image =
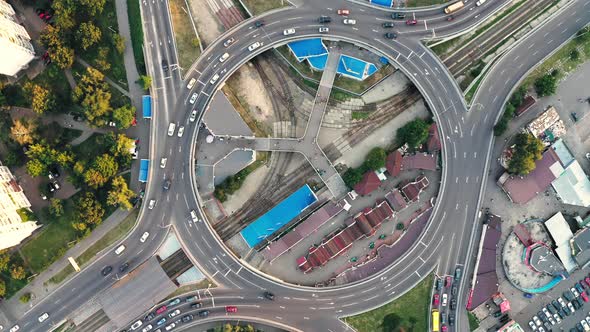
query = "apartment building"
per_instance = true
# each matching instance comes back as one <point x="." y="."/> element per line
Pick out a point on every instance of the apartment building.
<point x="15" y="42"/>
<point x="12" y="198"/>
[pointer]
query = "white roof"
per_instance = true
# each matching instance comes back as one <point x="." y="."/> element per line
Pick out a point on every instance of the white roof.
<point x="573" y="186"/>
<point x="559" y="230"/>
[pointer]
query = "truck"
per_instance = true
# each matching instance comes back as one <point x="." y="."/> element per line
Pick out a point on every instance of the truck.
<point x="146" y="102"/>
<point x="454" y="7"/>
<point x="144" y="166"/>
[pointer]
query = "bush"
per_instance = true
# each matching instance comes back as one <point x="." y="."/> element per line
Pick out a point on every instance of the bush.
<point x="26" y="214"/>
<point x="25" y="298"/>
<point x="400" y="226"/>
<point x="231" y="184"/>
<point x="575" y="55"/>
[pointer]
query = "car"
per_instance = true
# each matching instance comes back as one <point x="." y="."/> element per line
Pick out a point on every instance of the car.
<point x="194" y="216"/>
<point x="583" y="283"/>
<point x="174" y="313"/>
<point x="588" y="319"/>
<point x="411" y="22"/>
<point x="289" y="32"/>
<point x="190" y="299"/>
<point x="575" y="292"/>
<point x="193" y="116"/>
<point x="343" y="12"/>
<point x="323" y="29"/>
<point x="231" y="308"/>
<point x="438" y="284"/>
<point x="53" y="173"/>
<point x="579" y="287"/>
<point x="228" y="42"/>
<point x="556" y="304"/>
<point x="398" y="16"/>
<point x="147" y="328"/>
<point x="561" y="302"/>
<point x="444" y="299"/>
<point x="120" y="249"/>
<point x="150" y="316"/>
<point x="324" y="19"/>
<point x="174" y="302"/>
<point x="443" y="319"/>
<point x="584" y="296"/>
<point x="269" y="296"/>
<point x="193" y="98"/>
<point x="43" y="317"/>
<point x="579" y="327"/>
<point x="557" y="318"/>
<point x="106" y="270"/>
<point x="161" y="309"/>
<point x="454" y="290"/>
<point x="450" y="18"/>
<point x="224" y="57"/>
<point x="444" y="328"/>
<point x="254" y="46"/>
<point x="191" y="83"/>
<point x="124" y="267"/>
<point x="448" y="281"/>
<point x="14" y="328"/>
<point x="435" y="300"/>
<point x="203" y="313"/>
<point x="161" y="321"/>
<point x="167" y="184"/>
<point x="458" y="272"/>
<point x="196" y="305"/>
<point x="50" y="187"/>
<point x="585" y="325"/>
<point x="551" y="309"/>
<point x="163" y="162"/>
<point x="541" y="316"/>
<point x="578" y="304"/>
<point x="214" y="79"/>
<point x="537" y="321"/>
<point x="136" y="325"/>
<point x="170" y="327"/>
<point x="528" y="295"/>
<point x="497" y="314"/>
<point x="259" y="23"/>
<point x="532" y="325"/>
<point x="453" y="304"/>
<point x="551" y="320"/>
<point x="180" y="131"/>
<point x="349" y="21"/>
<point x="388" y="24"/>
<point x="187" y="318"/>
<point x="546" y="312"/>
<point x="566" y="311"/>
<point x="165" y="65"/>
<point x="152" y="204"/>
<point x="451" y="320"/>
<point x="568" y="295"/>
<point x="570" y="306"/>
<point x="390" y="35"/>
<point x="587" y="280"/>
<point x="171" y="128"/>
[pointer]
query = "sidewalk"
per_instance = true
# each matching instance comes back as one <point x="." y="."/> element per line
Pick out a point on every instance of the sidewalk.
<point x="40" y="287"/>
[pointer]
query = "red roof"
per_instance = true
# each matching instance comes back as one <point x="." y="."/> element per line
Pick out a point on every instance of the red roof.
<point x="433" y="143"/>
<point x="412" y="190"/>
<point x="419" y="161"/>
<point x="527" y="103"/>
<point x="368" y="184"/>
<point x="396" y="200"/>
<point x="393" y="163"/>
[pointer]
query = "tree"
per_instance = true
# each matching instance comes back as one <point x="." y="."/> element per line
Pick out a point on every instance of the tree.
<point x="375" y="159"/>
<point x="145" y="81"/>
<point x="2" y="288"/>
<point x="89" y="211"/>
<point x="23" y="131"/>
<point x="123" y="116"/>
<point x="61" y="53"/>
<point x="575" y="54"/>
<point x="92" y="93"/>
<point x="93" y="6"/>
<point x="25" y="298"/>
<point x="118" y="43"/>
<point x="17" y="272"/>
<point x="546" y="85"/>
<point x="48" y="156"/>
<point x="56" y="207"/>
<point x="87" y="35"/>
<point x="4" y="260"/>
<point x="41" y="99"/>
<point x="35" y="168"/>
<point x="527" y="150"/>
<point x="413" y="133"/>
<point x="102" y="59"/>
<point x="120" y="194"/>
<point x="103" y="168"/>
<point x="64" y="13"/>
<point x="518" y="96"/>
<point x="352" y="176"/>
<point x="583" y="35"/>
<point x="391" y="323"/>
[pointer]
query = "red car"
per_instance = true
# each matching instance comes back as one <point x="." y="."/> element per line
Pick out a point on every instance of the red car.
<point x="444" y="328"/>
<point x="411" y="22"/>
<point x="435" y="300"/>
<point x="343" y="12"/>
<point x="161" y="309"/>
<point x="231" y="308"/>
<point x="584" y="296"/>
<point x="587" y="280"/>
<point x="448" y="281"/>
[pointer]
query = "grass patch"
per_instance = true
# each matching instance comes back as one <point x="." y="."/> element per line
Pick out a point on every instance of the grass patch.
<point x="203" y="284"/>
<point x="469" y="95"/>
<point x="359" y="87"/>
<point x="302" y="67"/>
<point x="473" y="322"/>
<point x="93" y="146"/>
<point x="422" y="3"/>
<point x="356" y="115"/>
<point x="134" y="14"/>
<point x="412" y="307"/>
<point x="109" y="238"/>
<point x="257" y="7"/>
<point x="187" y="42"/>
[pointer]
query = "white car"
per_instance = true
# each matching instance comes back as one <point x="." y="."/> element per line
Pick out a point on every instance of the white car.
<point x="171" y="129"/>
<point x="194" y="215"/>
<point x="557" y="318"/>
<point x="147" y="328"/>
<point x="152" y="204"/>
<point x="180" y="131"/>
<point x="323" y="29"/>
<point x="163" y="162"/>
<point x="223" y="57"/>
<point x="43" y="317"/>
<point x="170" y="327"/>
<point x="576" y="294"/>
<point x="193" y="116"/>
<point x="228" y="42"/>
<point x="551" y="320"/>
<point x="532" y="325"/>
<point x="289" y="32"/>
<point x="193" y="98"/>
<point x="214" y="79"/>
<point x="444" y="300"/>
<point x="120" y="249"/>
<point x="588" y="319"/>
<point x="561" y="301"/>
<point x="15" y="328"/>
<point x="349" y="21"/>
<point x="136" y="325"/>
<point x="174" y="313"/>
<point x="571" y="307"/>
<point x="144" y="237"/>
<point x="254" y="46"/>
<point x="585" y="325"/>
<point x="537" y="320"/>
<point x="546" y="312"/>
<point x="191" y="83"/>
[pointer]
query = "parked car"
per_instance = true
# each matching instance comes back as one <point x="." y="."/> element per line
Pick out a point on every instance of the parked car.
<point x="161" y="321"/>
<point x="187" y="318"/>
<point x="196" y="305"/>
<point x="124" y="267"/>
<point x="575" y="292"/>
<point x="579" y="288"/>
<point x="174" y="302"/>
<point x="453" y="304"/>
<point x="537" y="321"/>
<point x="448" y="281"/>
<point x="174" y="313"/>
<point x="435" y="300"/>
<point x="438" y="284"/>
<point x="444" y="300"/>
<point x="203" y="313"/>
<point x="161" y="309"/>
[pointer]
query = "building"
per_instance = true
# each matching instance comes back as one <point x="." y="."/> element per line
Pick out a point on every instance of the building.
<point x="368" y="184"/>
<point x="547" y="126"/>
<point x="12" y="198"/>
<point x="433" y="143"/>
<point x="15" y="42"/>
<point x="393" y="163"/>
<point x="422" y="161"/>
<point x="561" y="233"/>
<point x="511" y="326"/>
<point x="573" y="186"/>
<point x="527" y="103"/>
<point x="580" y="246"/>
<point x="413" y="190"/>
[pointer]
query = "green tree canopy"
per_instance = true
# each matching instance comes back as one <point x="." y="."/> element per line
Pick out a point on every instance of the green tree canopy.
<point x="352" y="176"/>
<point x="65" y="14"/>
<point x="2" y="288"/>
<point x="42" y="156"/>
<point x="145" y="81"/>
<point x="413" y="133"/>
<point x="118" y="43"/>
<point x="103" y="168"/>
<point x="61" y="54"/>
<point x="546" y="85"/>
<point x="41" y="99"/>
<point x="391" y="323"/>
<point x="93" y="7"/>
<point x="92" y="93"/>
<point x="87" y="35"/>
<point x="527" y="150"/>
<point x="375" y="159"/>
<point x="4" y="260"/>
<point x="123" y="116"/>
<point x="89" y="210"/>
<point x="120" y="194"/>
<point x="17" y="272"/>
<point x="56" y="207"/>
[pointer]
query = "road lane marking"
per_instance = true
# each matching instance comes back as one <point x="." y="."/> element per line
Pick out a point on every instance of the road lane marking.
<point x="418" y="274"/>
<point x="371" y="298"/>
<point x="346" y="296"/>
<point x="423" y="261"/>
<point x="349" y="304"/>
<point x="368" y="290"/>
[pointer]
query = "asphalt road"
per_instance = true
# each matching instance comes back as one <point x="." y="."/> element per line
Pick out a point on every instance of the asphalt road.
<point x="447" y="240"/>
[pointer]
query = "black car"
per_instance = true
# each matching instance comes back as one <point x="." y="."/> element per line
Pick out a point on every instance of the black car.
<point x="579" y="327"/>
<point x="107" y="270"/>
<point x="568" y="295"/>
<point x="259" y="24"/>
<point x="388" y="24"/>
<point x="451" y="320"/>
<point x="167" y="184"/>
<point x="203" y="313"/>
<point x="390" y="35"/>
<point x="453" y="304"/>
<point x="579" y="288"/>
<point x="438" y="284"/>
<point x="497" y="314"/>
<point x="567" y="311"/>
<point x="325" y="19"/>
<point x="454" y="290"/>
<point x="269" y="296"/>
<point x="396" y="16"/>
<point x="150" y="316"/>
<point x="196" y="305"/>
<point x="187" y="318"/>
<point x="124" y="267"/>
<point x="164" y="65"/>
<point x="577" y="303"/>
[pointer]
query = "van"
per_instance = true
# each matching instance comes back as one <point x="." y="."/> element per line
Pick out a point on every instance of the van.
<point x="120" y="249"/>
<point x="214" y="79"/>
<point x="171" y="129"/>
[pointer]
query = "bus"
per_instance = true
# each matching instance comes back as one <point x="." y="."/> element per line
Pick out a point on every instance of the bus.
<point x="435" y="320"/>
<point x="454" y="7"/>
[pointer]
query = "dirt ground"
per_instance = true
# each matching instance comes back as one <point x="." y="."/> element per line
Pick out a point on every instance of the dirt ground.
<point x="207" y="23"/>
<point x="247" y="84"/>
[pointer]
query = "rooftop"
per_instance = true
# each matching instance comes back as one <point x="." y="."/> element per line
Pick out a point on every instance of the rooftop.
<point x="412" y="190"/>
<point x="543" y="122"/>
<point x="419" y="161"/>
<point x="433" y="142"/>
<point x="368" y="184"/>
<point x="393" y="163"/>
<point x="573" y="186"/>
<point x="580" y="245"/>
